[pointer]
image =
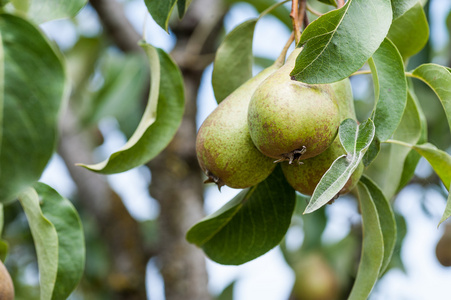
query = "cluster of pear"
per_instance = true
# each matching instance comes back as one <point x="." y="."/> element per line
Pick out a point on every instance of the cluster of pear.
<point x="273" y="119"/>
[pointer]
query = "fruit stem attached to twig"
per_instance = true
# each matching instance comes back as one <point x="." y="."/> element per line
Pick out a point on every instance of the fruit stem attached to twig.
<point x="283" y="54"/>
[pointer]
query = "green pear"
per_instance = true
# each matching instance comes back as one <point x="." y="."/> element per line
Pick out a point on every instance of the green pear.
<point x="291" y="120"/>
<point x="315" y="279"/>
<point x="305" y="177"/>
<point x="6" y="284"/>
<point x="224" y="147"/>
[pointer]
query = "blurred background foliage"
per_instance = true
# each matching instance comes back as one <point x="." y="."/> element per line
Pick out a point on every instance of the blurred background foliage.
<point x="111" y="85"/>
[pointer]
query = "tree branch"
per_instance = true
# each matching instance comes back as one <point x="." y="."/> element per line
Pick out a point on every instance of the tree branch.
<point x="116" y="25"/>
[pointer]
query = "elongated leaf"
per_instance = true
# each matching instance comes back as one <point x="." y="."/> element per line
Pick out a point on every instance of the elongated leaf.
<point x="45" y="239"/>
<point x="161" y="11"/>
<point x="386" y="218"/>
<point x="234" y="59"/>
<point x="341" y="41"/>
<point x="124" y="77"/>
<point x="447" y="212"/>
<point x="182" y="6"/>
<point x="71" y="247"/>
<point x="227" y="293"/>
<point x="372" y="249"/>
<point x="409" y="131"/>
<point x="410" y="32"/>
<point x="160" y="121"/>
<point x="45" y="10"/>
<point x="400" y="7"/>
<point x="439" y="160"/>
<point x="390" y="87"/>
<point x="439" y="80"/>
<point x="356" y="140"/>
<point x="32" y="87"/>
<point x="3" y="244"/>
<point x="372" y="152"/>
<point x="329" y="2"/>
<point x="281" y="12"/>
<point x="251" y="224"/>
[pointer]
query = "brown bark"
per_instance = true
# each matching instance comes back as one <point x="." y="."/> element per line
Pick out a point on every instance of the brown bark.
<point x="176" y="177"/>
<point x="116" y="25"/>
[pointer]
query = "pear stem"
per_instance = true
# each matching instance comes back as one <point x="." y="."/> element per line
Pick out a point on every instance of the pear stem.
<point x="294" y="15"/>
<point x="281" y="59"/>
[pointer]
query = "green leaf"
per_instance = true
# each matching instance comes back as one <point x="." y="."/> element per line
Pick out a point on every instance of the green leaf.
<point x="45" y="239"/>
<point x="439" y="80"/>
<point x="372" y="152"/>
<point x="32" y="88"/>
<point x="409" y="131"/>
<point x="439" y="160"/>
<point x="372" y="249"/>
<point x="313" y="225"/>
<point x="71" y="247"/>
<point x="329" y="2"/>
<point x="338" y="43"/>
<point x="386" y="218"/>
<point x="124" y="77"/>
<point x="160" y="121"/>
<point x="410" y="32"/>
<point x="234" y="59"/>
<point x="281" y="12"/>
<point x="390" y="87"/>
<point x="233" y="62"/>
<point x="3" y="244"/>
<point x="356" y="140"/>
<point x="4" y="248"/>
<point x="400" y="7"/>
<point x="182" y="6"/>
<point x="227" y="293"/>
<point x="447" y="212"/>
<point x="41" y="11"/>
<point x="249" y="225"/>
<point x="161" y="11"/>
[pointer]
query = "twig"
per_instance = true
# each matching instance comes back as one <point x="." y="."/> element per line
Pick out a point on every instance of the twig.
<point x="294" y="15"/>
<point x="362" y="72"/>
<point x="303" y="13"/>
<point x="340" y="3"/>
<point x="313" y="11"/>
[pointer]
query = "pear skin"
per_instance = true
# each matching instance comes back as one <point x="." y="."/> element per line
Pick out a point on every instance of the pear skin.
<point x="224" y="147"/>
<point x="315" y="279"/>
<point x="6" y="284"/>
<point x="305" y="177"/>
<point x="443" y="248"/>
<point x="291" y="120"/>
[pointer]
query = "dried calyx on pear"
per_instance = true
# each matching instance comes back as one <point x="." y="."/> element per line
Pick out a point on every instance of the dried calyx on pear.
<point x="291" y="120"/>
<point x="305" y="177"/>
